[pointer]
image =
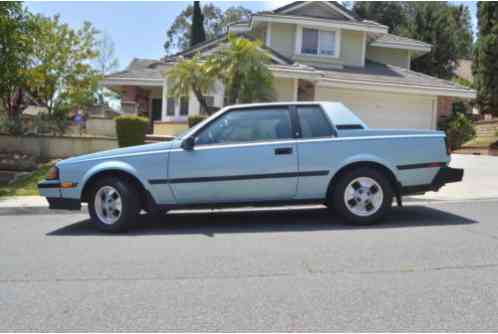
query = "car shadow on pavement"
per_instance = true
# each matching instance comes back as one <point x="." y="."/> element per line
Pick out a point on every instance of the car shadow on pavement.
<point x="267" y="220"/>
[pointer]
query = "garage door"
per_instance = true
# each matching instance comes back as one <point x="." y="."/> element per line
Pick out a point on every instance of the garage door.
<point x="385" y="110"/>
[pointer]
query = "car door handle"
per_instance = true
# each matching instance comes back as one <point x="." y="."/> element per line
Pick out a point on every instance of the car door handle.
<point x="283" y="150"/>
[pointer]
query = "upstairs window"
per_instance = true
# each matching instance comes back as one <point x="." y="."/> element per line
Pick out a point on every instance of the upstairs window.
<point x="319" y="42"/>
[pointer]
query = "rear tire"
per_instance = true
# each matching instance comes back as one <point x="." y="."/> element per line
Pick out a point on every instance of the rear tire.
<point x="114" y="204"/>
<point x="362" y="196"/>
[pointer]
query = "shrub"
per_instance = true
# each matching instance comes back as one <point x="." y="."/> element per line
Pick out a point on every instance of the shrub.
<point x="131" y="130"/>
<point x="12" y="127"/>
<point x="459" y="129"/>
<point x="54" y="124"/>
<point x="195" y="119"/>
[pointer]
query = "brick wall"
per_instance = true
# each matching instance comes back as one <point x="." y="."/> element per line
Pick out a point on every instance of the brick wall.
<point x="444" y="106"/>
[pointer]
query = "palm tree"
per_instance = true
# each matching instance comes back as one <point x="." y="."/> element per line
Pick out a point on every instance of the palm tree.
<point x="191" y="74"/>
<point x="242" y="66"/>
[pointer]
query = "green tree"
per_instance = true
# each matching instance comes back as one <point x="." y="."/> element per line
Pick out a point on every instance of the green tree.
<point x="197" y="34"/>
<point x="243" y="68"/>
<point x="105" y="63"/>
<point x="433" y="23"/>
<point x="62" y="76"/>
<point x="16" y="29"/>
<point x="215" y="21"/>
<point x="485" y="66"/>
<point x="463" y="32"/>
<point x="193" y="75"/>
<point x="389" y="13"/>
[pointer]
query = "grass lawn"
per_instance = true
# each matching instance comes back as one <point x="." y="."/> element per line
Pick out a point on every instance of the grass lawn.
<point x="26" y="185"/>
<point x="483" y="142"/>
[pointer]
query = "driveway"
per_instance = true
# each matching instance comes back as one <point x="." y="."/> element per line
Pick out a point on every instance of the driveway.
<point x="431" y="267"/>
<point x="480" y="180"/>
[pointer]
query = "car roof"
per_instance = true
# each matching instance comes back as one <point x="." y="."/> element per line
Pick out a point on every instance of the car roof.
<point x="338" y="113"/>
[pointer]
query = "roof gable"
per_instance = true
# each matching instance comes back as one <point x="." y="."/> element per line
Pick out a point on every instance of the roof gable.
<point x="321" y="9"/>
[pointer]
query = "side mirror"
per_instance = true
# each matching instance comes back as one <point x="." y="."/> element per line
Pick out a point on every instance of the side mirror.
<point x="188" y="144"/>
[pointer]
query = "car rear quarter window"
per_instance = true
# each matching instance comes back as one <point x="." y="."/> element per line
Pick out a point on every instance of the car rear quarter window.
<point x="239" y="126"/>
<point x="313" y="122"/>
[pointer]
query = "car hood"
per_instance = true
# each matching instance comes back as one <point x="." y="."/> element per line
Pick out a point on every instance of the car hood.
<point x="122" y="152"/>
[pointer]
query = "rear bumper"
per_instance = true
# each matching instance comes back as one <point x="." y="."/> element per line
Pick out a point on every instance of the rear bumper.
<point x="444" y="175"/>
<point x="447" y="175"/>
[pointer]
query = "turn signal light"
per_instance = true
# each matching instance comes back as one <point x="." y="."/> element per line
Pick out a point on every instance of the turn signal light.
<point x="53" y="173"/>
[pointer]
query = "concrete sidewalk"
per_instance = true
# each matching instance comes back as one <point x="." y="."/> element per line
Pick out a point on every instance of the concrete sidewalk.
<point x="480" y="182"/>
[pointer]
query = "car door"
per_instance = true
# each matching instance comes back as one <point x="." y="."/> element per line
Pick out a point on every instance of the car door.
<point x="244" y="155"/>
<point x="317" y="152"/>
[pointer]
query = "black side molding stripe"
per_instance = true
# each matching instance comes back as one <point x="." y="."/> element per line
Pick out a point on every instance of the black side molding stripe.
<point x="426" y="165"/>
<point x="44" y="185"/>
<point x="239" y="177"/>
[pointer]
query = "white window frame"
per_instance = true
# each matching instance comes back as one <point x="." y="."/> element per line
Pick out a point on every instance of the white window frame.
<point x="299" y="42"/>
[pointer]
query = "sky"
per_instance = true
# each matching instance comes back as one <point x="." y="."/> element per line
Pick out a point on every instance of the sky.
<point x="138" y="28"/>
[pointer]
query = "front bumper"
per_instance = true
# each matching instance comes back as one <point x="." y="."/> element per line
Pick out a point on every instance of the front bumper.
<point x="52" y="191"/>
<point x="444" y="175"/>
<point x="64" y="204"/>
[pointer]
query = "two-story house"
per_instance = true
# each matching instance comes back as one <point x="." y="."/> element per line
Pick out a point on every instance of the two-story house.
<point x="320" y="51"/>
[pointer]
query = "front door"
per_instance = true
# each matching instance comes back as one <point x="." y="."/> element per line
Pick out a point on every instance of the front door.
<point x="245" y="155"/>
<point x="157" y="106"/>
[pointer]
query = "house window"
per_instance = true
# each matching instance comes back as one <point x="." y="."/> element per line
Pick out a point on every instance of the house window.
<point x="319" y="42"/>
<point x="184" y="106"/>
<point x="170" y="107"/>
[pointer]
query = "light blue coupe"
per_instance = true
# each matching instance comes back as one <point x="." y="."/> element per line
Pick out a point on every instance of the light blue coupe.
<point x="258" y="154"/>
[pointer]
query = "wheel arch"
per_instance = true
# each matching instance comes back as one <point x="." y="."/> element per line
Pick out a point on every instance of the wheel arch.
<point x="375" y="164"/>
<point x="119" y="170"/>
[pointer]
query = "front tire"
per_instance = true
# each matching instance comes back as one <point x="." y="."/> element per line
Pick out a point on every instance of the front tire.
<point x="362" y="196"/>
<point x="114" y="204"/>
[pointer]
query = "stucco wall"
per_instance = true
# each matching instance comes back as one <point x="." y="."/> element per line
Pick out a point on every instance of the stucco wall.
<point x="283" y="38"/>
<point x="169" y="128"/>
<point x="101" y="127"/>
<point x="388" y="56"/>
<point x="352" y="48"/>
<point x="486" y="128"/>
<point x="284" y="89"/>
<point x="46" y="147"/>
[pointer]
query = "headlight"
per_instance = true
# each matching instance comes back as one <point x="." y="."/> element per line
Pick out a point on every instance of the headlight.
<point x="53" y="173"/>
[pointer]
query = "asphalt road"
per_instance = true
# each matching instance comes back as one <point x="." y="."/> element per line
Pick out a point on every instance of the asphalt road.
<point x="431" y="267"/>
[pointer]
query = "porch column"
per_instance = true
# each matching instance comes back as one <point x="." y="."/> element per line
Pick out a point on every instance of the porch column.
<point x="296" y="89"/>
<point x="165" y="100"/>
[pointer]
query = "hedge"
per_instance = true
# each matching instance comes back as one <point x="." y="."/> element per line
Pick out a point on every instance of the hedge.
<point x="459" y="129"/>
<point x="195" y="119"/>
<point x="131" y="130"/>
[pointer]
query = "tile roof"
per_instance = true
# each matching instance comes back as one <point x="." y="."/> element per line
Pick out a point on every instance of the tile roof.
<point x="370" y="74"/>
<point x="140" y="69"/>
<point x="395" y="39"/>
<point x="335" y="3"/>
<point x="380" y="73"/>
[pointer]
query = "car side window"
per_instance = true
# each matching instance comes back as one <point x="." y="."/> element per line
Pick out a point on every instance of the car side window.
<point x="313" y="122"/>
<point x="248" y="125"/>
